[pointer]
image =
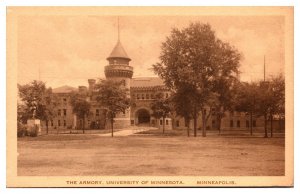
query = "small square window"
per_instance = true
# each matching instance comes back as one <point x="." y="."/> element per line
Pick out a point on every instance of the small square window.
<point x="238" y="123"/>
<point x="254" y="123"/>
<point x="177" y="123"/>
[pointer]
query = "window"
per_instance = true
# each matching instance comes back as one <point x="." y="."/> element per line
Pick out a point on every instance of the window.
<point x="238" y="123"/>
<point x="213" y="111"/>
<point x="137" y="96"/>
<point x="167" y="122"/>
<point x="97" y="112"/>
<point x="58" y="123"/>
<point x="152" y="96"/>
<point x="231" y="123"/>
<point x="64" y="100"/>
<point x="160" y="122"/>
<point x="65" y="112"/>
<point x="247" y="123"/>
<point x="65" y="123"/>
<point x="51" y="123"/>
<point x="254" y="123"/>
<point x="177" y="123"/>
<point x="143" y="97"/>
<point x="132" y="122"/>
<point x="213" y="122"/>
<point x="147" y="96"/>
<point x="59" y="112"/>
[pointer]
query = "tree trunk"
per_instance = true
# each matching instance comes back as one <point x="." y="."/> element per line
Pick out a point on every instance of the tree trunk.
<point x="47" y="122"/>
<point x="280" y="127"/>
<point x="271" y="118"/>
<point x="112" y="127"/>
<point x="187" y="123"/>
<point x="203" y="124"/>
<point x="164" y="118"/>
<point x="195" y="123"/>
<point x="251" y="120"/>
<point x="219" y="123"/>
<point x="266" y="129"/>
<point x="83" y="123"/>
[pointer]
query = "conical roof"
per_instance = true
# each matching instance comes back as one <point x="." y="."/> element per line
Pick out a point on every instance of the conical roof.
<point x="118" y="52"/>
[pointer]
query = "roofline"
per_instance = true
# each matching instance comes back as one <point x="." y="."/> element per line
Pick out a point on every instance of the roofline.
<point x="118" y="58"/>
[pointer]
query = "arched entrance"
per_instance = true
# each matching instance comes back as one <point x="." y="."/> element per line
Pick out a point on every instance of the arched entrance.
<point x="143" y="117"/>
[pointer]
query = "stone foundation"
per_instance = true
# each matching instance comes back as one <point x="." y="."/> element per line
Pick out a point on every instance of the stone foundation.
<point x="31" y="123"/>
<point x="119" y="123"/>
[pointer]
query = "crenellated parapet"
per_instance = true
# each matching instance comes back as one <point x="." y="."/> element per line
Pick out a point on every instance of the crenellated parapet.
<point x="118" y="71"/>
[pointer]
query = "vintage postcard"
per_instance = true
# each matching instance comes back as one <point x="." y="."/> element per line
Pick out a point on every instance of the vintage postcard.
<point x="150" y="96"/>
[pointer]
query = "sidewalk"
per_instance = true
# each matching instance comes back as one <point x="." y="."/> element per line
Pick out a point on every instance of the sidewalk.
<point x="126" y="132"/>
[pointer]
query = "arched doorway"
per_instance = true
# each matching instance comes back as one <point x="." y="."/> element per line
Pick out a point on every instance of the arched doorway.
<point x="143" y="117"/>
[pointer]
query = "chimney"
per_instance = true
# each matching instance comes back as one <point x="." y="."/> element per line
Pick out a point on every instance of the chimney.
<point x="91" y="84"/>
<point x="82" y="89"/>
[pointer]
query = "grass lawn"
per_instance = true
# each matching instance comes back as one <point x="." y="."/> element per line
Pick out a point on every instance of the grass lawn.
<point x="86" y="154"/>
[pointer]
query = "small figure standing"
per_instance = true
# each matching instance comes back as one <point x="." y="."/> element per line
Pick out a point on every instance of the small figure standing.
<point x="34" y="107"/>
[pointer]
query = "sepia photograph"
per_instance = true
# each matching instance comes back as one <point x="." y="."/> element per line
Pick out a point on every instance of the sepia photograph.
<point x="150" y="96"/>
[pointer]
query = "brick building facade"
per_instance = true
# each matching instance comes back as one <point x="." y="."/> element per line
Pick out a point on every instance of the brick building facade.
<point x="141" y="92"/>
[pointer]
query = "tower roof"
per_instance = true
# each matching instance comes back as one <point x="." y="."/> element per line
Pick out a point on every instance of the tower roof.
<point x="118" y="52"/>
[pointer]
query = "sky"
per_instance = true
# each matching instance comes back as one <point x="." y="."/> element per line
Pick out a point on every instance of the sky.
<point x="68" y="50"/>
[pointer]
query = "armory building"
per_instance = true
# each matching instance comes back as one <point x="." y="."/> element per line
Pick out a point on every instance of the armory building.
<point x="142" y="92"/>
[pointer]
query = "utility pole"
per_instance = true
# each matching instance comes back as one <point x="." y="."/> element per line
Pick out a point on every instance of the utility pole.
<point x="118" y="29"/>
<point x="264" y="68"/>
<point x="265" y="86"/>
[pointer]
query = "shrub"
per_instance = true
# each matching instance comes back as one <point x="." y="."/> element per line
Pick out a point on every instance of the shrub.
<point x="33" y="131"/>
<point x="21" y="130"/>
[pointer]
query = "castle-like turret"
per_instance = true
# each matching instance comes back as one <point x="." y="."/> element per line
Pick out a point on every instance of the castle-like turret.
<point x="119" y="70"/>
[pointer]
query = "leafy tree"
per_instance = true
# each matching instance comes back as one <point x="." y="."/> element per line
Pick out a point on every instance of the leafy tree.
<point x="35" y="94"/>
<point x="247" y="100"/>
<point x="193" y="57"/>
<point x="277" y="99"/>
<point x="160" y="107"/>
<point x="81" y="107"/>
<point x="32" y="95"/>
<point x="265" y="102"/>
<point x="226" y="99"/>
<point x="22" y="115"/>
<point x="182" y="105"/>
<point x="114" y="97"/>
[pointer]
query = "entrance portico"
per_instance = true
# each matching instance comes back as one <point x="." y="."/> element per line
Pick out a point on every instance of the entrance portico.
<point x="142" y="117"/>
